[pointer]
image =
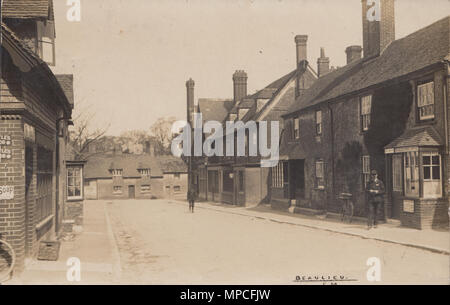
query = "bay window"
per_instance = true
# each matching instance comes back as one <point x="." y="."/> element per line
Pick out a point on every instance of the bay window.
<point x="411" y="160"/>
<point x="397" y="170"/>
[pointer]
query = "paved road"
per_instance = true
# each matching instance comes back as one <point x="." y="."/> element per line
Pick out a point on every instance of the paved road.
<point x="161" y="243"/>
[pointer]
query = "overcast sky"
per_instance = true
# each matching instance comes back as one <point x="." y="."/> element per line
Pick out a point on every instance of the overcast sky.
<point x="131" y="58"/>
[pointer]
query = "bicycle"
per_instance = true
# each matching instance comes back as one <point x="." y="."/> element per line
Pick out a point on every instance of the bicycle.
<point x="348" y="207"/>
<point x="7" y="260"/>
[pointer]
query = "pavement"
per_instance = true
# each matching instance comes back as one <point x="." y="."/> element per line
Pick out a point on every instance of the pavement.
<point x="95" y="248"/>
<point x="437" y="241"/>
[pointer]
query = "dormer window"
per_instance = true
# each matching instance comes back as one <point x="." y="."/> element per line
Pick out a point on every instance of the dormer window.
<point x="145" y="172"/>
<point x="425" y="101"/>
<point x="46" y="41"/>
<point x="117" y="172"/>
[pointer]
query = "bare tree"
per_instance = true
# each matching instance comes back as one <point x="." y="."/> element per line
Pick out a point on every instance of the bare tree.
<point x="161" y="132"/>
<point x="83" y="136"/>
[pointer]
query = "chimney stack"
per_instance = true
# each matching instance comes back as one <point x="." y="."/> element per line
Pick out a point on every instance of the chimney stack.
<point x="301" y="44"/>
<point x="190" y="84"/>
<point x="239" y="85"/>
<point x="378" y="26"/>
<point x="323" y="63"/>
<point x="353" y="53"/>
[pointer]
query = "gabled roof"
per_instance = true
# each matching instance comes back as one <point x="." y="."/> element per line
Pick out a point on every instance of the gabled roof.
<point x="100" y="167"/>
<point x="214" y="109"/>
<point x="27" y="9"/>
<point x="414" y="52"/>
<point x="66" y="82"/>
<point x="425" y="136"/>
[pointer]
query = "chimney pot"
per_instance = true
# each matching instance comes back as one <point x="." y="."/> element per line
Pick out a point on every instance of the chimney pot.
<point x="301" y="47"/>
<point x="323" y="63"/>
<point x="239" y="85"/>
<point x="353" y="53"/>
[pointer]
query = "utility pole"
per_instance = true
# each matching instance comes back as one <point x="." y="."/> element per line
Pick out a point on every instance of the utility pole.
<point x="190" y="84"/>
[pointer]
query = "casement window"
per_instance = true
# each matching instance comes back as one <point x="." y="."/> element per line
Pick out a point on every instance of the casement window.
<point x="117" y="189"/>
<point x="176" y="176"/>
<point x="425" y="101"/>
<point x="432" y="184"/>
<point x="177" y="188"/>
<point x="411" y="165"/>
<point x="319" y="122"/>
<point x="366" y="110"/>
<point x="297" y="128"/>
<point x="145" y="188"/>
<point x="366" y="170"/>
<point x="46" y="41"/>
<point x="117" y="173"/>
<point x="145" y="172"/>
<point x="74" y="183"/>
<point x="278" y="176"/>
<point x="397" y="179"/>
<point x="320" y="174"/>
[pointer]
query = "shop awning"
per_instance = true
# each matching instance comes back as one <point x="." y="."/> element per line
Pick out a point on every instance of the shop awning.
<point x="413" y="139"/>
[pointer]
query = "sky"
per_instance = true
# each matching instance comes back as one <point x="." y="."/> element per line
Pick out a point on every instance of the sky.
<point x="131" y="58"/>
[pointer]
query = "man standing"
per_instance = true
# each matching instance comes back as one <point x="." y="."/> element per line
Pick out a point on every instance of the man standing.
<point x="191" y="199"/>
<point x="375" y="192"/>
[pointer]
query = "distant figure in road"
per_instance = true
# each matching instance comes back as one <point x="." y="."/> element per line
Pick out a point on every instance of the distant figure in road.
<point x="375" y="192"/>
<point x="191" y="199"/>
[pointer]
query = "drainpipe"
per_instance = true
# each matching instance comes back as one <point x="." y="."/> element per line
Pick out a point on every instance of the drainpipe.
<point x="332" y="155"/>
<point x="446" y="109"/>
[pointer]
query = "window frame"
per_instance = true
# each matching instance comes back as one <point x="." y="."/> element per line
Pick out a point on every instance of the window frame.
<point x="433" y="104"/>
<point x="399" y="159"/>
<point x="144" y="188"/>
<point x="297" y="128"/>
<point x="80" y="172"/>
<point x="365" y="170"/>
<point x="365" y="118"/>
<point x="319" y="123"/>
<point x="117" y="172"/>
<point x="117" y="190"/>
<point x="410" y="168"/>
<point x="424" y="181"/>
<point x="319" y="179"/>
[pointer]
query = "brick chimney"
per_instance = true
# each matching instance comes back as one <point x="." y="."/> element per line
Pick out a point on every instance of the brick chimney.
<point x="190" y="84"/>
<point x="353" y="53"/>
<point x="239" y="85"/>
<point x="378" y="26"/>
<point x="301" y="47"/>
<point x="323" y="63"/>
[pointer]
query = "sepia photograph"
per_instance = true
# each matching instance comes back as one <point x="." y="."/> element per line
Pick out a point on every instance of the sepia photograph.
<point x="212" y="145"/>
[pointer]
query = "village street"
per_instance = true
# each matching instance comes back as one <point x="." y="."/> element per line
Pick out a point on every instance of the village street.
<point x="160" y="242"/>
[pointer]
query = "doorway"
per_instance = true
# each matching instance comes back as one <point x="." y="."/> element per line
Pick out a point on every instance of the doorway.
<point x="297" y="178"/>
<point x="131" y="192"/>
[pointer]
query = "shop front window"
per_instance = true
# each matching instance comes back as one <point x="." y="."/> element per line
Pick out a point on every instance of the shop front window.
<point x="432" y="185"/>
<point x="411" y="160"/>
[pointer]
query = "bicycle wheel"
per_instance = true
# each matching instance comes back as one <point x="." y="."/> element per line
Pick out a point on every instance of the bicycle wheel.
<point x="7" y="260"/>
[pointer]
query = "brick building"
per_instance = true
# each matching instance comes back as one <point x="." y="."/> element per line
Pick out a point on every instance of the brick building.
<point x="241" y="180"/>
<point x="35" y="110"/>
<point x="386" y="110"/>
<point x="134" y="176"/>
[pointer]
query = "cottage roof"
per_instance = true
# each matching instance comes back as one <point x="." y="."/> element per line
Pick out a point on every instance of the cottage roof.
<point x="214" y="109"/>
<point x="100" y="167"/>
<point x="412" y="53"/>
<point x="66" y="82"/>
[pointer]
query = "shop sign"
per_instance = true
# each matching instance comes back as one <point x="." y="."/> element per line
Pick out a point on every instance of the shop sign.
<point x="6" y="192"/>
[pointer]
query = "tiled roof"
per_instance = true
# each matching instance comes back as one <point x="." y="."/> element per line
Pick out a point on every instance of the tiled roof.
<point x="419" y="50"/>
<point x="214" y="109"/>
<point x="170" y="164"/>
<point x="27" y="9"/>
<point x="66" y="82"/>
<point x="425" y="136"/>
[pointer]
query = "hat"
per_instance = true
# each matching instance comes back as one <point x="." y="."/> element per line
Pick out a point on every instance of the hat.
<point x="374" y="172"/>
